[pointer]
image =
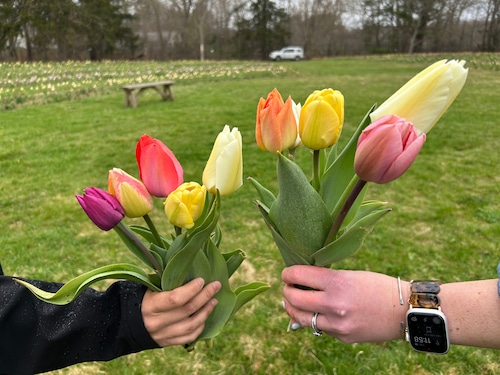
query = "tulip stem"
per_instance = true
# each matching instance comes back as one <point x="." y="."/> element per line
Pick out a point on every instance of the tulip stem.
<point x="339" y="219"/>
<point x="154" y="231"/>
<point x="316" y="180"/>
<point x="122" y="229"/>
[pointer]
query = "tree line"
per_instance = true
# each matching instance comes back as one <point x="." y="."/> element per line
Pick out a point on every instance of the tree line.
<point x="32" y="30"/>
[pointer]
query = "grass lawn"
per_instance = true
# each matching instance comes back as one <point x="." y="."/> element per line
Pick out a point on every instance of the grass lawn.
<point x="445" y="221"/>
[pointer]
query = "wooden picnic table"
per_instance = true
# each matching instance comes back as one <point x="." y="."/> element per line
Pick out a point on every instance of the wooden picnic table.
<point x="133" y="91"/>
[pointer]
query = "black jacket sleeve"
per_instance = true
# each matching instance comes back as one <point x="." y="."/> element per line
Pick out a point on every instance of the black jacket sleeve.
<point x="98" y="326"/>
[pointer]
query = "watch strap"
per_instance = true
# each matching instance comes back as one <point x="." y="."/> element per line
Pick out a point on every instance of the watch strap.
<point x="424" y="294"/>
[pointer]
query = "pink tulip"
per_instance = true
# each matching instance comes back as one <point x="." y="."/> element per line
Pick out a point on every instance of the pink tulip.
<point x="130" y="192"/>
<point x="159" y="169"/>
<point x="101" y="207"/>
<point x="386" y="149"/>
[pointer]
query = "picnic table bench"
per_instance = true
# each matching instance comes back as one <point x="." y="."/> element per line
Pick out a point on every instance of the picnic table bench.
<point x="133" y="91"/>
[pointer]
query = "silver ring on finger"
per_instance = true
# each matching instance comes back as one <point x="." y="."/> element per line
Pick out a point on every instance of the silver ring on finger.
<point x="316" y="331"/>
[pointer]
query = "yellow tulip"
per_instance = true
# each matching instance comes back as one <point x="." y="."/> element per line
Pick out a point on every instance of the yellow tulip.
<point x="426" y="97"/>
<point x="321" y="119"/>
<point x="224" y="169"/>
<point x="185" y="204"/>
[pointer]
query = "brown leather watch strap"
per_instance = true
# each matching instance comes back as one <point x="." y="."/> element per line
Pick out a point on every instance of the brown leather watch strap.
<point x="424" y="294"/>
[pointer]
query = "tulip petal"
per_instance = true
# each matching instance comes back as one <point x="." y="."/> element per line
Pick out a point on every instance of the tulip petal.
<point x="386" y="149"/>
<point x="425" y="98"/>
<point x="276" y="124"/>
<point x="159" y="169"/>
<point x="320" y="125"/>
<point x="229" y="171"/>
<point x="101" y="207"/>
<point x="130" y="192"/>
<point x="224" y="168"/>
<point x="404" y="160"/>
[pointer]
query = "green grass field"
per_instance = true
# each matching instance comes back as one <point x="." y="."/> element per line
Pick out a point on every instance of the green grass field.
<point x="445" y="221"/>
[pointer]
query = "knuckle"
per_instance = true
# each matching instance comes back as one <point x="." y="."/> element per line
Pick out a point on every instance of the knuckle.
<point x="174" y="298"/>
<point x="190" y="308"/>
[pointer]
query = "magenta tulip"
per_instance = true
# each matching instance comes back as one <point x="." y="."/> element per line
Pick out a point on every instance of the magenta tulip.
<point x="101" y="207"/>
<point x="159" y="169"/>
<point x="386" y="149"/>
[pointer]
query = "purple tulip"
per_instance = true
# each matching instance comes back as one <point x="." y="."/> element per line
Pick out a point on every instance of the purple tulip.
<point x="101" y="207"/>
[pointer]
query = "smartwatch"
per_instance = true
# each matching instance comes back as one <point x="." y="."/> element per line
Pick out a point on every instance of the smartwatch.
<point x="426" y="325"/>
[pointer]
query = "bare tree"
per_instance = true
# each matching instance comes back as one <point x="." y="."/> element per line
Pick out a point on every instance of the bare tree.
<point x="316" y="25"/>
<point x="491" y="35"/>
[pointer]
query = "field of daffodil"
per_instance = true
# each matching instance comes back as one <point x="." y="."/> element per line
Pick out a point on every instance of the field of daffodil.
<point x="41" y="83"/>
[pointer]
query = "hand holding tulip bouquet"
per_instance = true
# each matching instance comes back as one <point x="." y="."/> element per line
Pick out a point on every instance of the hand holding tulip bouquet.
<point x="193" y="210"/>
<point x="323" y="219"/>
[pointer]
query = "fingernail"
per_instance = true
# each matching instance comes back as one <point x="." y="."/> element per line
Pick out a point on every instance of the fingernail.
<point x="283" y="304"/>
<point x="217" y="286"/>
<point x="295" y="326"/>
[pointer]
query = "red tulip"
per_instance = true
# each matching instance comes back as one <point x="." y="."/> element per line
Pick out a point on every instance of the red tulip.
<point x="159" y="169"/>
<point x="386" y="149"/>
<point x="101" y="207"/>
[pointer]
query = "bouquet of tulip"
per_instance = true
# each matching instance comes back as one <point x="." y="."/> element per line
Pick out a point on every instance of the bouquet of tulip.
<point x="193" y="210"/>
<point x="323" y="219"/>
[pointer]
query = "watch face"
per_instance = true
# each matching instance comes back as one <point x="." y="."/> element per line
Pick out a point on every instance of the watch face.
<point x="427" y="331"/>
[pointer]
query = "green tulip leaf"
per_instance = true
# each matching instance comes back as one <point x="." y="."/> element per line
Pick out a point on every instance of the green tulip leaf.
<point x="298" y="212"/>
<point x="233" y="260"/>
<point x="349" y="241"/>
<point x="185" y="246"/>
<point x="211" y="265"/>
<point x="340" y="172"/>
<point x="132" y="244"/>
<point x="366" y="208"/>
<point x="73" y="288"/>
<point x="217" y="236"/>
<point x="247" y="292"/>
<point x="289" y="255"/>
<point x="160" y="251"/>
<point x="266" y="196"/>
<point x="145" y="233"/>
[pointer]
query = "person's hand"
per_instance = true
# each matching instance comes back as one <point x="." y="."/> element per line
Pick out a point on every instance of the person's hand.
<point x="178" y="317"/>
<point x="353" y="306"/>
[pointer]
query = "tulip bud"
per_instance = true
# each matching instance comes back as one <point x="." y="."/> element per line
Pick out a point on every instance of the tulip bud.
<point x="427" y="96"/>
<point x="130" y="192"/>
<point x="185" y="204"/>
<point x="321" y="119"/>
<point x="386" y="149"/>
<point x="224" y="169"/>
<point x="276" y="124"/>
<point x="101" y="207"/>
<point x="159" y="169"/>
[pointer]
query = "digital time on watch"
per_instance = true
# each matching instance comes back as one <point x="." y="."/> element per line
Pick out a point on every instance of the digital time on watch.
<point x="426" y="326"/>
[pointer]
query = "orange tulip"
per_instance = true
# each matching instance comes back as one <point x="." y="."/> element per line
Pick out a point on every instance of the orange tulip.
<point x="276" y="124"/>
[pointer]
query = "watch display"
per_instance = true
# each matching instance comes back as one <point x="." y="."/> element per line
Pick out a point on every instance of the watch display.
<point x="427" y="330"/>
